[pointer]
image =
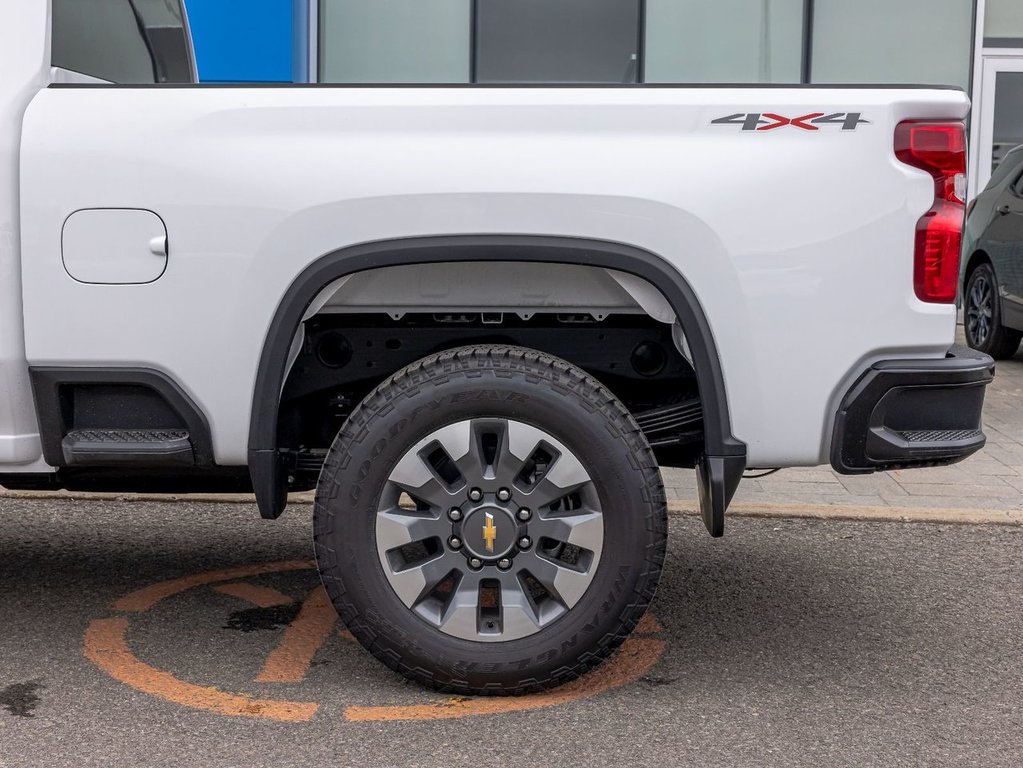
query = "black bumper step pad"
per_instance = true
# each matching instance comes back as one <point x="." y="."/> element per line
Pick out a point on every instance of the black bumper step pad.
<point x="118" y="447"/>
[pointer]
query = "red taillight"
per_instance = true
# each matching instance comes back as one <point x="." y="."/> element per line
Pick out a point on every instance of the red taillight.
<point x="940" y="149"/>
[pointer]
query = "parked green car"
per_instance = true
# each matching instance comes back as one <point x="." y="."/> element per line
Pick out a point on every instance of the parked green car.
<point x="992" y="268"/>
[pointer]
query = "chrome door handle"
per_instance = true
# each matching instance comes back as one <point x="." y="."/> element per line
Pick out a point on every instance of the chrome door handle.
<point x="1004" y="210"/>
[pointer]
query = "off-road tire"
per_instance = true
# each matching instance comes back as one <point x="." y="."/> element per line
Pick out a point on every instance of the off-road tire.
<point x="491" y="382"/>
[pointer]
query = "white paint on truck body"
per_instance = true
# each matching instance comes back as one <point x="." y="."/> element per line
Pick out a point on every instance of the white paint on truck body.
<point x="24" y="61"/>
<point x="798" y="243"/>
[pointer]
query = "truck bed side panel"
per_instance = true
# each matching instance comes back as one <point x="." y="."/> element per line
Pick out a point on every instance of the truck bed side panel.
<point x="798" y="242"/>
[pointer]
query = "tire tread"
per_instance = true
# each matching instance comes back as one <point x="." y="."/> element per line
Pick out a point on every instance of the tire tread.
<point x="470" y="361"/>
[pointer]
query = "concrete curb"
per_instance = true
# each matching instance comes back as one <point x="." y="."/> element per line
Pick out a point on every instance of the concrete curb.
<point x="738" y="509"/>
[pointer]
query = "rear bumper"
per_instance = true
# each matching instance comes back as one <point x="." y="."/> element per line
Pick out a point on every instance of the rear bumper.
<point x="913" y="413"/>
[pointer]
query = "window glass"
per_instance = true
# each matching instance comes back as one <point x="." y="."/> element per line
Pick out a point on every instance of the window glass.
<point x="395" y="41"/>
<point x="1003" y="23"/>
<point x="878" y="42"/>
<point x="725" y="41"/>
<point x="567" y="41"/>
<point x="1008" y="122"/>
<point x="101" y="38"/>
<point x="123" y="41"/>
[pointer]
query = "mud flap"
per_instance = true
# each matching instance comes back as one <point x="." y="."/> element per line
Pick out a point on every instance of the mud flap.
<point x="717" y="478"/>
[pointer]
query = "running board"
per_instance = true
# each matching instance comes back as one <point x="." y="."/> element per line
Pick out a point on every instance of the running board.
<point x="119" y="447"/>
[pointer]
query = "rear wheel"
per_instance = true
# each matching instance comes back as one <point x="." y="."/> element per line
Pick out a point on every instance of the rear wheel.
<point x="490" y="520"/>
<point x="983" y="316"/>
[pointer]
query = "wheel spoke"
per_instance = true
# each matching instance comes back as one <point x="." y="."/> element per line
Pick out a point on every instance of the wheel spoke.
<point x="461" y="617"/>
<point x="414" y="474"/>
<point x="414" y="583"/>
<point x="552" y="489"/>
<point x="980" y="309"/>
<point x="520" y="443"/>
<point x="565" y="584"/>
<point x="432" y="492"/>
<point x="584" y="529"/>
<point x="488" y="440"/>
<point x="565" y="476"/>
<point x="518" y="617"/>
<point x="396" y="528"/>
<point x="977" y="294"/>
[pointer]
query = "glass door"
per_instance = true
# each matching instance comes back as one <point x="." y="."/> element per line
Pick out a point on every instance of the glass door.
<point x="999" y="115"/>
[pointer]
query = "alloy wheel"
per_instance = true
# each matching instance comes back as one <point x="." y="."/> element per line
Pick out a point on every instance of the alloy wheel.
<point x="489" y="529"/>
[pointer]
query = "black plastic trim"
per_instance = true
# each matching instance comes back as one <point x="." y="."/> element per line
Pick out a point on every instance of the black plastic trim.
<point x="806" y="65"/>
<point x="1003" y="42"/>
<point x="895" y="398"/>
<point x="268" y="474"/>
<point x="48" y="381"/>
<point x="717" y="479"/>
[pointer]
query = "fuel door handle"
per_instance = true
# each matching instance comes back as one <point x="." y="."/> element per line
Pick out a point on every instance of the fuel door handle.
<point x="158" y="246"/>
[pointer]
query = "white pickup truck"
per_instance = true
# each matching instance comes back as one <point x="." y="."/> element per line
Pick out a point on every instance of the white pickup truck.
<point x="474" y="319"/>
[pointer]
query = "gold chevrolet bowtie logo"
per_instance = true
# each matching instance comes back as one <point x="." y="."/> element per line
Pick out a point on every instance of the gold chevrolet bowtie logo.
<point x="489" y="532"/>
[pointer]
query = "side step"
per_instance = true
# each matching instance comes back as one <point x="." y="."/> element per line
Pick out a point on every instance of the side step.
<point x="118" y="447"/>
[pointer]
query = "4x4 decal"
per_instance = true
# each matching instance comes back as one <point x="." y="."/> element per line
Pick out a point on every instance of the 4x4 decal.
<point x="767" y="121"/>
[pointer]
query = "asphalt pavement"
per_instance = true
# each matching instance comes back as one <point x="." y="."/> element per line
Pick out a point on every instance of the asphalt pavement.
<point x="159" y="634"/>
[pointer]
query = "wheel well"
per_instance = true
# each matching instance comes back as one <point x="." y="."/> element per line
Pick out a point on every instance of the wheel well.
<point x="343" y="357"/>
<point x="978" y="258"/>
<point x="724" y="454"/>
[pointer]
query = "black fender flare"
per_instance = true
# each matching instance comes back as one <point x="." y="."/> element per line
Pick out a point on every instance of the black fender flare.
<point x="724" y="459"/>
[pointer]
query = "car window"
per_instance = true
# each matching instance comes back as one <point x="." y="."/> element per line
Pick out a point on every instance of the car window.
<point x="122" y="41"/>
<point x="1011" y="164"/>
<point x="1018" y="187"/>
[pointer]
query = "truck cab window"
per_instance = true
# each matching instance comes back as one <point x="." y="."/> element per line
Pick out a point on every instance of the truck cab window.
<point x="123" y="41"/>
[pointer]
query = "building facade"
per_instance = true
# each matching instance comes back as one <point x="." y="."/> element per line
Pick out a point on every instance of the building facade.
<point x="973" y="44"/>
<point x="997" y="86"/>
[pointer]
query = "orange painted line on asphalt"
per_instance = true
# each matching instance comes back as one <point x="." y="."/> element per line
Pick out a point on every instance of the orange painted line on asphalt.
<point x="648" y="625"/>
<point x="290" y="661"/>
<point x="145" y="598"/>
<point x="635" y="658"/>
<point x="261" y="597"/>
<point x="107" y="648"/>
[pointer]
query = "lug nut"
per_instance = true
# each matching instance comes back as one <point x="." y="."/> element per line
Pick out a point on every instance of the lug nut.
<point x="503" y="495"/>
<point x="475" y="563"/>
<point x="504" y="564"/>
<point x="454" y="514"/>
<point x="525" y="542"/>
<point x="475" y="495"/>
<point x="524" y="514"/>
<point x="455" y="543"/>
